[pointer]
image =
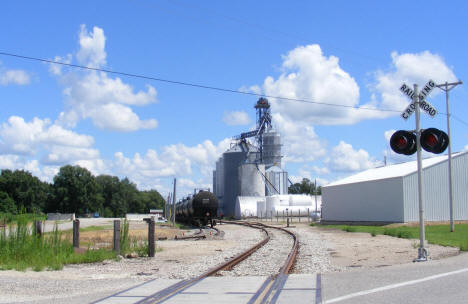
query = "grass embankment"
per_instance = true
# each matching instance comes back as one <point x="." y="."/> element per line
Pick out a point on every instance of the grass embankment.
<point x="9" y="218"/>
<point x="435" y="234"/>
<point x="21" y="249"/>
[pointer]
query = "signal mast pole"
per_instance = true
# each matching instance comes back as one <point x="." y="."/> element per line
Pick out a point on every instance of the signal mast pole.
<point x="445" y="87"/>
<point x="174" y="203"/>
<point x="422" y="252"/>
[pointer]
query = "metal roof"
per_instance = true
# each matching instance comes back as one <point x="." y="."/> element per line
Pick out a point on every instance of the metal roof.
<point x="391" y="171"/>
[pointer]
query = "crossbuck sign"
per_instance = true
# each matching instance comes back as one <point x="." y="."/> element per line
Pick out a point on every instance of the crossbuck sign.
<point x="423" y="104"/>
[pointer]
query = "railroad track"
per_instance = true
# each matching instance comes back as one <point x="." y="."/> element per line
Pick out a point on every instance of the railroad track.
<point x="267" y="293"/>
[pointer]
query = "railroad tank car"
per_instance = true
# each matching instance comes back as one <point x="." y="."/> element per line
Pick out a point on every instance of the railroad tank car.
<point x="199" y="209"/>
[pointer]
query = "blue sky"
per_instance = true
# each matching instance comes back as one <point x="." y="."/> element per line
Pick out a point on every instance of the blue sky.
<point x="352" y="53"/>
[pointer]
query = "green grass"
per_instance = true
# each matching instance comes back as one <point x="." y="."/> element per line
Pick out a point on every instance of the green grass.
<point x="21" y="250"/>
<point x="435" y="234"/>
<point x="9" y="218"/>
<point x="95" y="228"/>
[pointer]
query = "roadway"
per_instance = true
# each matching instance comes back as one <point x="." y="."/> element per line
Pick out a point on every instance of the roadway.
<point x="441" y="281"/>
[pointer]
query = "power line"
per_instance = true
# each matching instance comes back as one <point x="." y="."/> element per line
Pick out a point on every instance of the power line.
<point x="459" y="119"/>
<point x="271" y="30"/>
<point x="201" y="86"/>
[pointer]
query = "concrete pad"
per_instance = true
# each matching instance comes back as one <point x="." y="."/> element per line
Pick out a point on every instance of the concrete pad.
<point x="296" y="297"/>
<point x="120" y="300"/>
<point x="150" y="288"/>
<point x="139" y="292"/>
<point x="301" y="281"/>
<point x="235" y="290"/>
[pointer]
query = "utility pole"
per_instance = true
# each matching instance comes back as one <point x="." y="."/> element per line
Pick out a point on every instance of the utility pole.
<point x="316" y="197"/>
<point x="166" y="209"/>
<point x="174" y="203"/>
<point x="445" y="87"/>
<point x="422" y="252"/>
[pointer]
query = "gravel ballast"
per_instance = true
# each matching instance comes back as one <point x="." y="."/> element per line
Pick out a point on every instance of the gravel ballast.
<point x="319" y="252"/>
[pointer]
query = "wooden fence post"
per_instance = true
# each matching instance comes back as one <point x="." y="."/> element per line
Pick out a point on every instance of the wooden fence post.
<point x="117" y="236"/>
<point x="76" y="233"/>
<point x="151" y="247"/>
<point x="38" y="228"/>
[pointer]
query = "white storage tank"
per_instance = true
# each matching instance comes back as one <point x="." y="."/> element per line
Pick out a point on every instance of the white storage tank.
<point x="246" y="206"/>
<point x="277" y="181"/>
<point x="251" y="180"/>
<point x="272" y="149"/>
<point x="272" y="202"/>
<point x="261" y="208"/>
<point x="301" y="200"/>
<point x="293" y="210"/>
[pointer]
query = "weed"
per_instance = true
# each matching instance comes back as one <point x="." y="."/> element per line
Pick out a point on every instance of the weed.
<point x="350" y="229"/>
<point x="435" y="234"/>
<point x="20" y="249"/>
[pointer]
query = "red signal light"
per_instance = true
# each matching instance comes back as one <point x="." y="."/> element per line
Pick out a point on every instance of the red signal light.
<point x="403" y="142"/>
<point x="434" y="140"/>
<point x="431" y="140"/>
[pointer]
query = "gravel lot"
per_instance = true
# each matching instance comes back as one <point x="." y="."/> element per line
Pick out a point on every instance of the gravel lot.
<point x="320" y="251"/>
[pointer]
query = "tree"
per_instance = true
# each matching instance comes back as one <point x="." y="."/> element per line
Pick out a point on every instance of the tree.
<point x="76" y="191"/>
<point x="25" y="190"/>
<point x="109" y="187"/>
<point x="151" y="200"/>
<point x="304" y="187"/>
<point x="7" y="204"/>
<point x="129" y="195"/>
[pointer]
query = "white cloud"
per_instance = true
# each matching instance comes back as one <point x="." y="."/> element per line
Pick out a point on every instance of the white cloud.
<point x="60" y="155"/>
<point x="56" y="69"/>
<point x="300" y="142"/>
<point x="409" y="68"/>
<point x="94" y="95"/>
<point x="344" y="158"/>
<point x="15" y="162"/>
<point x="18" y="77"/>
<point x="92" y="47"/>
<point x="251" y="89"/>
<point x="466" y="148"/>
<point x="308" y="74"/>
<point x="174" y="160"/>
<point x="321" y="171"/>
<point x="20" y="137"/>
<point x="236" y="118"/>
<point x="116" y="117"/>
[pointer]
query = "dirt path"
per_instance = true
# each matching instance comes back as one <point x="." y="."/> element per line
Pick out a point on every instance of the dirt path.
<point x="357" y="250"/>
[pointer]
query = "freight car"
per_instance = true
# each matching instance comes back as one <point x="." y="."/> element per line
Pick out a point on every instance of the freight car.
<point x="199" y="209"/>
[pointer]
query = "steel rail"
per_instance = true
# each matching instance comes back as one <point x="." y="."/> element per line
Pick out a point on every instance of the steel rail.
<point x="271" y="292"/>
<point x="164" y="294"/>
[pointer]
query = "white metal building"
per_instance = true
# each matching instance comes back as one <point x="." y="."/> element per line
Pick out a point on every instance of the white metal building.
<point x="390" y="193"/>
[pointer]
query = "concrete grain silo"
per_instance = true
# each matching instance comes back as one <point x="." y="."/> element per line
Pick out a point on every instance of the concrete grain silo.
<point x="232" y="159"/>
<point x="251" y="180"/>
<point x="271" y="153"/>
<point x="277" y="181"/>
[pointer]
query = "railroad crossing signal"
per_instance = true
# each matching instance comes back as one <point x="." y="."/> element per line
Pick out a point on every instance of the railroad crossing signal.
<point x="403" y="142"/>
<point x="434" y="140"/>
<point x="423" y="104"/>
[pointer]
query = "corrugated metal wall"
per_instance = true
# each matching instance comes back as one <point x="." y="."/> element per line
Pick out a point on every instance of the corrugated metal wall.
<point x="372" y="201"/>
<point x="436" y="195"/>
<point x="460" y="187"/>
